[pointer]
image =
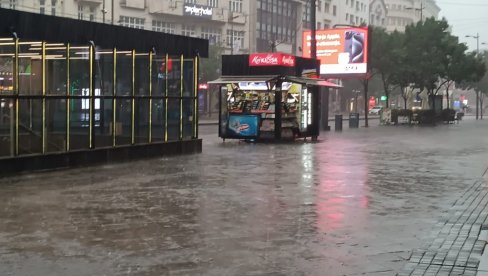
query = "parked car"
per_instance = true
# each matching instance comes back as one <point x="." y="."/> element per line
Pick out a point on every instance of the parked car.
<point x="375" y="110"/>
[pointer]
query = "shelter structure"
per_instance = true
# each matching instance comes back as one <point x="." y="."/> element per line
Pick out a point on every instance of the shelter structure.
<point x="75" y="92"/>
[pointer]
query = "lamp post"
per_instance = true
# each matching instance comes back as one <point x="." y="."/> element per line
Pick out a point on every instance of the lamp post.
<point x="477" y="37"/>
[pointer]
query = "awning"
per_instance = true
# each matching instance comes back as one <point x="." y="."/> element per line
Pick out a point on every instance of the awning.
<point x="311" y="81"/>
<point x="302" y="80"/>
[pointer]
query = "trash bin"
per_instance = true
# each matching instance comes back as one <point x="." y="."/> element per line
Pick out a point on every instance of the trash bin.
<point x="353" y="120"/>
<point x="338" y="122"/>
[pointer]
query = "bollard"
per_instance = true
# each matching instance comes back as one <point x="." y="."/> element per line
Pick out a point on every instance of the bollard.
<point x="338" y="122"/>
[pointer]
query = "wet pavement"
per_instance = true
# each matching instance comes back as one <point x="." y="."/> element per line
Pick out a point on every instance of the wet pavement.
<point x="363" y="201"/>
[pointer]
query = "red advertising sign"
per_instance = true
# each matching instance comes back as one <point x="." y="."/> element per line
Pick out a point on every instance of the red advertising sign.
<point x="271" y="59"/>
<point x="341" y="51"/>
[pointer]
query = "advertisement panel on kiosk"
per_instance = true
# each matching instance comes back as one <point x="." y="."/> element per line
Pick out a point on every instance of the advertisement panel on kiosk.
<point x="342" y="51"/>
<point x="243" y="126"/>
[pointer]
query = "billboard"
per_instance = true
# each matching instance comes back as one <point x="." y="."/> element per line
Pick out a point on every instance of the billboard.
<point x="342" y="51"/>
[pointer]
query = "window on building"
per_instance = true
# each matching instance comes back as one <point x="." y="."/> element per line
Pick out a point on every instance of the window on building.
<point x="235" y="5"/>
<point x="188" y="30"/>
<point x="352" y="3"/>
<point x="132" y="22"/>
<point x="213" y="35"/>
<point x="334" y="10"/>
<point x="164" y="27"/>
<point x="190" y="1"/>
<point x="92" y="14"/>
<point x="213" y="3"/>
<point x="81" y="9"/>
<point x="53" y="7"/>
<point x="42" y="6"/>
<point x="237" y="37"/>
<point x="319" y="5"/>
<point x="347" y="16"/>
<point x="12" y="4"/>
<point x="327" y="8"/>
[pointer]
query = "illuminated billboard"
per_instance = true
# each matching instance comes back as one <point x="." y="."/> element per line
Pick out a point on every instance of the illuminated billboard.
<point x="341" y="51"/>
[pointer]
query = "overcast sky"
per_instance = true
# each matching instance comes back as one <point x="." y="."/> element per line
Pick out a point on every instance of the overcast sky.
<point x="467" y="17"/>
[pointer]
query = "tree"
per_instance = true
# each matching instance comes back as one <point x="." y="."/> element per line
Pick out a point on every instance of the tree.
<point x="387" y="58"/>
<point x="426" y="45"/>
<point x="210" y="68"/>
<point x="478" y="80"/>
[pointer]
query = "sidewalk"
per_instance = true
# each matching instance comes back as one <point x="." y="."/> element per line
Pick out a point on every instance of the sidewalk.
<point x="458" y="240"/>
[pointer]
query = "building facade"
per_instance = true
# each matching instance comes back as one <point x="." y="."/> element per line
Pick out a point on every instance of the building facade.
<point x="404" y="12"/>
<point x="239" y="26"/>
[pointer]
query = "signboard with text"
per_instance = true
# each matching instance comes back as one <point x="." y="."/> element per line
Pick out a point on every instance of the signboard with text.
<point x="197" y="11"/>
<point x="271" y="59"/>
<point x="341" y="51"/>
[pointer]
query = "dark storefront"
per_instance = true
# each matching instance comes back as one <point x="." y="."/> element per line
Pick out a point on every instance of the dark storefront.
<point x="75" y="92"/>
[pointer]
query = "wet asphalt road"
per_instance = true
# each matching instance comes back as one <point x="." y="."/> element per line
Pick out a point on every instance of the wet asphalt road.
<point x="356" y="203"/>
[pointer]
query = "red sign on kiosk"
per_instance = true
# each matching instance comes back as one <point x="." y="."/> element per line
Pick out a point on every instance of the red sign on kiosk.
<point x="271" y="59"/>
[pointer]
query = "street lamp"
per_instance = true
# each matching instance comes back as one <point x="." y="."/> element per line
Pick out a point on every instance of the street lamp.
<point x="477" y="37"/>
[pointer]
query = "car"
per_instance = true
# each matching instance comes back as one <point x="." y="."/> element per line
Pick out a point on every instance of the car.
<point x="375" y="110"/>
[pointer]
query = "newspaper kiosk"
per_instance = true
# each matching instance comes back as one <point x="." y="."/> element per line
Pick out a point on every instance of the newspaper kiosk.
<point x="269" y="96"/>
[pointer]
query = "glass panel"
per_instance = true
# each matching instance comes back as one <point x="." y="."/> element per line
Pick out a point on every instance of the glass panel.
<point x="188" y="118"/>
<point x="104" y="72"/>
<point x="55" y="70"/>
<point x="30" y="69"/>
<point x="79" y="137"/>
<point x="173" y="119"/>
<point x="158" y="118"/>
<point x="142" y="121"/>
<point x="124" y="74"/>
<point x="174" y="77"/>
<point x="79" y="70"/>
<point x="7" y="51"/>
<point x="7" y="127"/>
<point x="158" y="77"/>
<point x="55" y="125"/>
<point x="188" y="78"/>
<point x="142" y="75"/>
<point x="30" y="126"/>
<point x="123" y="124"/>
<point x="103" y="122"/>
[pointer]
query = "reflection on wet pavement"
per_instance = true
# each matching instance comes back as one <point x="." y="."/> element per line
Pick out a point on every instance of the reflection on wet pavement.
<point x="356" y="202"/>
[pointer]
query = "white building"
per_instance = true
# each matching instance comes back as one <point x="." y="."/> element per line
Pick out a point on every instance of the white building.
<point x="241" y="26"/>
<point x="404" y="12"/>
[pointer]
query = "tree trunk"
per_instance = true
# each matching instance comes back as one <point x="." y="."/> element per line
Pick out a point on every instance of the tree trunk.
<point x="481" y="106"/>
<point x="447" y="95"/>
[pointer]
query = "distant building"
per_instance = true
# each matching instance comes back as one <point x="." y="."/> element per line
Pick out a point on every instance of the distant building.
<point x="404" y="12"/>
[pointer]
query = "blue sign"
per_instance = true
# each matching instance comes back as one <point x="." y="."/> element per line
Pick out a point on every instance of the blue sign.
<point x="243" y="125"/>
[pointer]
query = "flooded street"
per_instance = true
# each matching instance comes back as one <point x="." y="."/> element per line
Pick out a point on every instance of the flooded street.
<point x="356" y="202"/>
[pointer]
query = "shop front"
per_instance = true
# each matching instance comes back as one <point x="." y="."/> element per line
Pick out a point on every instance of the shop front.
<point x="269" y="96"/>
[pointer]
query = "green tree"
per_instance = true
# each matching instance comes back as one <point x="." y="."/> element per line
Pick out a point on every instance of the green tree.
<point x="210" y="68"/>
<point x="426" y="45"/>
<point x="387" y="54"/>
<point x="478" y="79"/>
